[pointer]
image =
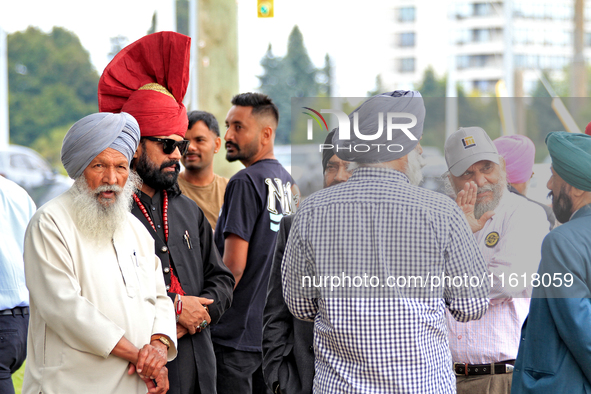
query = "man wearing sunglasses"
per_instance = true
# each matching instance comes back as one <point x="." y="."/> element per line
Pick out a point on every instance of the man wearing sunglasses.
<point x="196" y="279"/>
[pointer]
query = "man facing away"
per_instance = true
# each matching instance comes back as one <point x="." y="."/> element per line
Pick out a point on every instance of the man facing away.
<point x="256" y="199"/>
<point x="100" y="318"/>
<point x="375" y="332"/>
<point x="288" y="343"/>
<point x="554" y="355"/>
<point x="198" y="181"/>
<point x="519" y="152"/>
<point x="196" y="278"/>
<point x="16" y="209"/>
<point x="484" y="351"/>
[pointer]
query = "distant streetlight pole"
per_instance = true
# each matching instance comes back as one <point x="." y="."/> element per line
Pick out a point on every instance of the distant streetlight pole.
<point x="578" y="79"/>
<point x="3" y="90"/>
<point x="194" y="75"/>
<point x="451" y="91"/>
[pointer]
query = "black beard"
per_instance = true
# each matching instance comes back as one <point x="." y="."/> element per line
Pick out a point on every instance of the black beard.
<point x="155" y="177"/>
<point x="562" y="205"/>
<point x="245" y="153"/>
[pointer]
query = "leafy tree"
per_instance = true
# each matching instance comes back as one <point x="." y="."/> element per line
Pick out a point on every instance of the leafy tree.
<point x="292" y="76"/>
<point x="51" y="83"/>
<point x="324" y="77"/>
<point x="152" y="28"/>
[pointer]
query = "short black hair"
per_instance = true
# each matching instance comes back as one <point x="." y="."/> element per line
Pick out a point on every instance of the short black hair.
<point x="261" y="104"/>
<point x="207" y="118"/>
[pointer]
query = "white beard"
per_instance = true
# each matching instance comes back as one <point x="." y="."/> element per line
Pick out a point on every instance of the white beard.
<point x="480" y="208"/>
<point x="497" y="190"/>
<point x="98" y="220"/>
<point x="414" y="171"/>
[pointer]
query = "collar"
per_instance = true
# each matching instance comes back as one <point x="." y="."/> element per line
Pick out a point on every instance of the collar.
<point x="583" y="211"/>
<point x="378" y="173"/>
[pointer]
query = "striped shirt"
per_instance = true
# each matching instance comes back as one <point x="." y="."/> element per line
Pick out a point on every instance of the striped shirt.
<point x="512" y="255"/>
<point x="373" y="333"/>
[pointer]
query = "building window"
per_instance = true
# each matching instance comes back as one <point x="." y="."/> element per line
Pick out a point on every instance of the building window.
<point x="541" y="62"/>
<point x="484" y="86"/>
<point x="406" y="14"/>
<point x="406" y="40"/>
<point x="475" y="61"/>
<point x="407" y="65"/>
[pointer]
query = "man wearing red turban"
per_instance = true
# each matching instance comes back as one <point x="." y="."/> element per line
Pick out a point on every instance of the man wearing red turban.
<point x="148" y="79"/>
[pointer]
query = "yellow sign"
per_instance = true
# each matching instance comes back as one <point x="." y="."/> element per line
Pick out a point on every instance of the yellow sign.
<point x="265" y="8"/>
<point x="492" y="239"/>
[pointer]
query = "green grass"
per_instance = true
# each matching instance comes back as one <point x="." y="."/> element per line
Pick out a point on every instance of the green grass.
<point x="17" y="379"/>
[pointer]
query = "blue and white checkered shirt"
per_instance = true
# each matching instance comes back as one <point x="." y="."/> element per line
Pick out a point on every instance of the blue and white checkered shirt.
<point x="351" y="256"/>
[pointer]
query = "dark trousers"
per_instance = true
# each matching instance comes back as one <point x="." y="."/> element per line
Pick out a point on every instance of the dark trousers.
<point x="13" y="348"/>
<point x="239" y="372"/>
<point x="182" y="371"/>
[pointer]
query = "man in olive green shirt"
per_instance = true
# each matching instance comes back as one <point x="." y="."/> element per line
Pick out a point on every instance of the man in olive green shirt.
<point x="198" y="181"/>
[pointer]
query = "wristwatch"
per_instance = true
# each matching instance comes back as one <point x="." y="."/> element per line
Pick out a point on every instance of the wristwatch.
<point x="161" y="338"/>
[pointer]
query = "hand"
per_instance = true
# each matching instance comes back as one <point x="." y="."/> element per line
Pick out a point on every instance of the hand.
<point x="180" y="331"/>
<point x="160" y="387"/>
<point x="466" y="200"/>
<point x="194" y="313"/>
<point x="151" y="359"/>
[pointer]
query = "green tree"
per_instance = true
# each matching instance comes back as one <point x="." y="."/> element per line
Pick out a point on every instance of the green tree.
<point x="292" y="76"/>
<point x="51" y="83"/>
<point x="324" y="77"/>
<point x="152" y="28"/>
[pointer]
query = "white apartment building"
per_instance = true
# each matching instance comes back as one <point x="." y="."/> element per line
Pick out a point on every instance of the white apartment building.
<point x="481" y="41"/>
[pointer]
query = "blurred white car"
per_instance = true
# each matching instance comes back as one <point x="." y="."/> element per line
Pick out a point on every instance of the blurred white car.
<point x="31" y="171"/>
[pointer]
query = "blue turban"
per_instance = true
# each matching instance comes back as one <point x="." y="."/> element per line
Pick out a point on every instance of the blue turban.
<point x="94" y="133"/>
<point x="366" y="149"/>
<point x="571" y="157"/>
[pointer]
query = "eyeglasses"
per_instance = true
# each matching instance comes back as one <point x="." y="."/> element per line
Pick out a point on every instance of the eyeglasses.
<point x="169" y="145"/>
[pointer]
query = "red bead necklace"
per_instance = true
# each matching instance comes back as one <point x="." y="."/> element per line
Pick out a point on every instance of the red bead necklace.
<point x="175" y="285"/>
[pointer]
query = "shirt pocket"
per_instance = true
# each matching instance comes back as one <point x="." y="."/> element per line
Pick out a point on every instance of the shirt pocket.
<point x="146" y="278"/>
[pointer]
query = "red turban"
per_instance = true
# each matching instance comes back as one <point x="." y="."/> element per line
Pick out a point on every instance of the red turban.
<point x="148" y="79"/>
<point x="588" y="129"/>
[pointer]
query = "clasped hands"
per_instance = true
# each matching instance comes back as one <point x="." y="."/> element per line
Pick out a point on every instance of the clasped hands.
<point x="193" y="314"/>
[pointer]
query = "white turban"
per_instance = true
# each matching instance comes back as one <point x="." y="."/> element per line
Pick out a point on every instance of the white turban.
<point x="94" y="133"/>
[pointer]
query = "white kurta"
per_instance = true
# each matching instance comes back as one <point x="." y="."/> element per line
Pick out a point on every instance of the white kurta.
<point x="84" y="297"/>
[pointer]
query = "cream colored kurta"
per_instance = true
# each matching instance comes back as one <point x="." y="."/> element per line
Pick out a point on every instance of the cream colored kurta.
<point x="84" y="298"/>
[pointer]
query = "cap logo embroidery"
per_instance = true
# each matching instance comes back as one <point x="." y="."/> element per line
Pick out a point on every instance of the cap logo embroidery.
<point x="468" y="142"/>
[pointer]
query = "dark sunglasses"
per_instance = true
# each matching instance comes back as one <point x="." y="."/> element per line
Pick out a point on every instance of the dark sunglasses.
<point x="169" y="145"/>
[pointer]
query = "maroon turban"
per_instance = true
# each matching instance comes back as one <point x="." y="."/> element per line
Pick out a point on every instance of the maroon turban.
<point x="148" y="79"/>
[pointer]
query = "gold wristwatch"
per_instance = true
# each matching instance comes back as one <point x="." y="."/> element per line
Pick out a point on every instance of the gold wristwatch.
<point x="161" y="338"/>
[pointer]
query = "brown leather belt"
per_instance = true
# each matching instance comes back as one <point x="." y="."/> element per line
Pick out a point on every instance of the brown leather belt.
<point x="501" y="367"/>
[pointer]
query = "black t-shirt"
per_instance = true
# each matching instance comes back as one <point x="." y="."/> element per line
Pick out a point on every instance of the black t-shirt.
<point x="256" y="199"/>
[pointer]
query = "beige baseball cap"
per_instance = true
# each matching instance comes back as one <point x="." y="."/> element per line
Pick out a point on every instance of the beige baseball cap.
<point x="467" y="146"/>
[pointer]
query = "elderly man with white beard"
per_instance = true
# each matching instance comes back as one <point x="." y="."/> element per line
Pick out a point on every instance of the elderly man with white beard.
<point x="509" y="230"/>
<point x="374" y="331"/>
<point x="101" y="321"/>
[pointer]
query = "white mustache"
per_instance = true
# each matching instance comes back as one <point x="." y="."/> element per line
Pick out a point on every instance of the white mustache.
<point x="108" y="188"/>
